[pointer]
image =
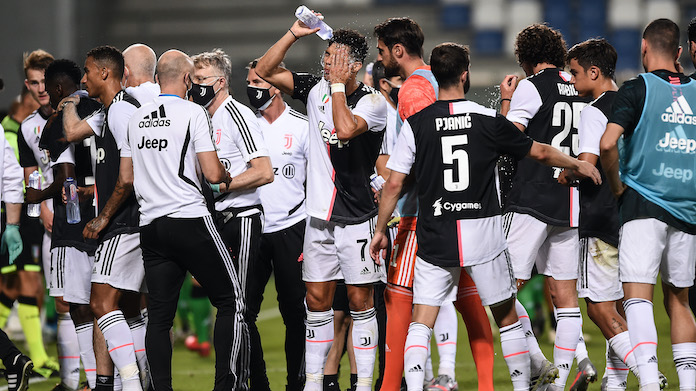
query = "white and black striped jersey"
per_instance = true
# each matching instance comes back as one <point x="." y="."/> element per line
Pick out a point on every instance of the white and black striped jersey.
<point x="30" y="155"/>
<point x="338" y="181"/>
<point x="163" y="139"/>
<point x="110" y="141"/>
<point x="145" y="92"/>
<point x="283" y="199"/>
<point x="599" y="212"/>
<point x="238" y="140"/>
<point x="548" y="105"/>
<point x="452" y="148"/>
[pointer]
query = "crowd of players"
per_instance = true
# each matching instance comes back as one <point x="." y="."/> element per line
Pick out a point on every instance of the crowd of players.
<point x="384" y="202"/>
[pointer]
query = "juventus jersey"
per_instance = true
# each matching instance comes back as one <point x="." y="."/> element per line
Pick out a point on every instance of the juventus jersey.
<point x="238" y="140"/>
<point x="338" y="181"/>
<point x="163" y="139"/>
<point x="145" y="92"/>
<point x="30" y="154"/>
<point x="110" y="140"/>
<point x="452" y="148"/>
<point x="548" y="105"/>
<point x="599" y="212"/>
<point x="283" y="199"/>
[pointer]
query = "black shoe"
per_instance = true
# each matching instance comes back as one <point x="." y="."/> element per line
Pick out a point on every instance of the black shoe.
<point x="17" y="373"/>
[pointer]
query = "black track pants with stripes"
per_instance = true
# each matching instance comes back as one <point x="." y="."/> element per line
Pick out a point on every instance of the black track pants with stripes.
<point x="171" y="247"/>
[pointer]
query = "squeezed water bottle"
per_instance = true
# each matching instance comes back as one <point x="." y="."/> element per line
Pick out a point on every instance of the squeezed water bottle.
<point x="72" y="206"/>
<point x="306" y="16"/>
<point x="34" y="210"/>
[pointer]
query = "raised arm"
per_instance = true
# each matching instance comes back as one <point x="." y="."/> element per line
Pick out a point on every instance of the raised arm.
<point x="268" y="67"/>
<point x="75" y="129"/>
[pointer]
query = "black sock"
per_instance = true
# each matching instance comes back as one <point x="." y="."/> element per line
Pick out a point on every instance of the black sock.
<point x="353" y="381"/>
<point x="6" y="301"/>
<point x="105" y="383"/>
<point x="331" y="383"/>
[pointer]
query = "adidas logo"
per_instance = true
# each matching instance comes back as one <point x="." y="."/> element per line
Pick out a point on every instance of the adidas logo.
<point x="623" y="384"/>
<point x="528" y="334"/>
<point x="365" y="271"/>
<point x="679" y="112"/>
<point x="515" y="373"/>
<point x="154" y="119"/>
<point x="564" y="366"/>
<point x="652" y="359"/>
<point x="417" y="368"/>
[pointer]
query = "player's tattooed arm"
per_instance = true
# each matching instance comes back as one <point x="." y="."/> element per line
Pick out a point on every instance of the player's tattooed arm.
<point x="609" y="155"/>
<point x="75" y="129"/>
<point x="123" y="189"/>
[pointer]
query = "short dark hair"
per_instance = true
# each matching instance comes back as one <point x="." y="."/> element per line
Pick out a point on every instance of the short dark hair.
<point x="377" y="74"/>
<point x="447" y="62"/>
<point x="663" y="36"/>
<point x="64" y="68"/>
<point x="404" y="31"/>
<point x="354" y="40"/>
<point x="540" y="43"/>
<point x="595" y="52"/>
<point x="692" y="30"/>
<point x="109" y="57"/>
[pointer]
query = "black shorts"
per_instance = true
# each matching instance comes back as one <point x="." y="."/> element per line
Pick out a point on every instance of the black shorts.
<point x="32" y="232"/>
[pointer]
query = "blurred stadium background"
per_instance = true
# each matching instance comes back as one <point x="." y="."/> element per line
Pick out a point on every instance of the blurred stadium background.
<point x="246" y="28"/>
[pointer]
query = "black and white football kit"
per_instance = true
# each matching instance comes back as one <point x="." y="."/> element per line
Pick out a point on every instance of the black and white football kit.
<point x="541" y="214"/>
<point x="178" y="235"/>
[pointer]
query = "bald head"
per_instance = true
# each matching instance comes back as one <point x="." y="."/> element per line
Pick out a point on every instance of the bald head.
<point x="172" y="66"/>
<point x="141" y="61"/>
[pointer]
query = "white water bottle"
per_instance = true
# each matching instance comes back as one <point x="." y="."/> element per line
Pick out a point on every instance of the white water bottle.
<point x="306" y="16"/>
<point x="34" y="210"/>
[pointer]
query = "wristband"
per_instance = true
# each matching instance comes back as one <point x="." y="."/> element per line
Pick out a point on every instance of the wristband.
<point x="62" y="107"/>
<point x="505" y="99"/>
<point x="338" y="87"/>
<point x="293" y="34"/>
<point x="215" y="187"/>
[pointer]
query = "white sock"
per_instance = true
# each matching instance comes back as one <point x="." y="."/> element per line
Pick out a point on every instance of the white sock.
<point x="318" y="341"/>
<point x="445" y="331"/>
<point x="620" y="345"/>
<point x="685" y="361"/>
<point x="68" y="351"/>
<point x="118" y="384"/>
<point x="535" y="354"/>
<point x="137" y="328"/>
<point x="85" y="339"/>
<point x="616" y="371"/>
<point x="568" y="329"/>
<point x="581" y="349"/>
<point x="119" y="341"/>
<point x="365" y="336"/>
<point x="429" y="374"/>
<point x="641" y="328"/>
<point x="415" y="353"/>
<point x="516" y="354"/>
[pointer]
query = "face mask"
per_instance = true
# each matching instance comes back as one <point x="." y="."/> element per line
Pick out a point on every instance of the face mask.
<point x="394" y="95"/>
<point x="260" y="98"/>
<point x="202" y="94"/>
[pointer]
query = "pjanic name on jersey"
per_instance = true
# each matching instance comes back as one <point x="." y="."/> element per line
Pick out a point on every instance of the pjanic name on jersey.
<point x="158" y="144"/>
<point x="566" y="89"/>
<point x="453" y="123"/>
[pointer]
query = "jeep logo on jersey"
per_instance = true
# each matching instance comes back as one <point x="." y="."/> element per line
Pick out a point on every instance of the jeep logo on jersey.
<point x="158" y="144"/>
<point x="679" y="112"/>
<point x="289" y="171"/>
<point x="154" y="119"/>
<point x="673" y="143"/>
<point x="330" y="137"/>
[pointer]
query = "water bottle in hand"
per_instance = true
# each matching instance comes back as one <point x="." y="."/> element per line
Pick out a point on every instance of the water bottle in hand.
<point x="306" y="16"/>
<point x="34" y="210"/>
<point x="72" y="205"/>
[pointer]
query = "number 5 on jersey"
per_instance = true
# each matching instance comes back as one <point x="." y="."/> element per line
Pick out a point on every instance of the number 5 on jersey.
<point x="451" y="155"/>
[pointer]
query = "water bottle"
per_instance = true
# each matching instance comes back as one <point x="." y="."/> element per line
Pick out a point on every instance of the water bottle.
<point x="34" y="210"/>
<point x="72" y="206"/>
<point x="306" y="16"/>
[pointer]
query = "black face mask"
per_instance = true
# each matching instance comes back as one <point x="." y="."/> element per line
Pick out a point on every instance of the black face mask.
<point x="259" y="98"/>
<point x="394" y="95"/>
<point x="202" y="94"/>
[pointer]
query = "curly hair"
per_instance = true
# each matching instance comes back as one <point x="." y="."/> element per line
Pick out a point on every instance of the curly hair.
<point x="64" y="68"/>
<point x="540" y="43"/>
<point x="354" y="40"/>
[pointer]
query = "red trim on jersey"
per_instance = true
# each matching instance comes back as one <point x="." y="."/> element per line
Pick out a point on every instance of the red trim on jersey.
<point x="451" y="108"/>
<point x="572" y="222"/>
<point x="459" y="243"/>
<point x="333" y="179"/>
<point x="560" y="74"/>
